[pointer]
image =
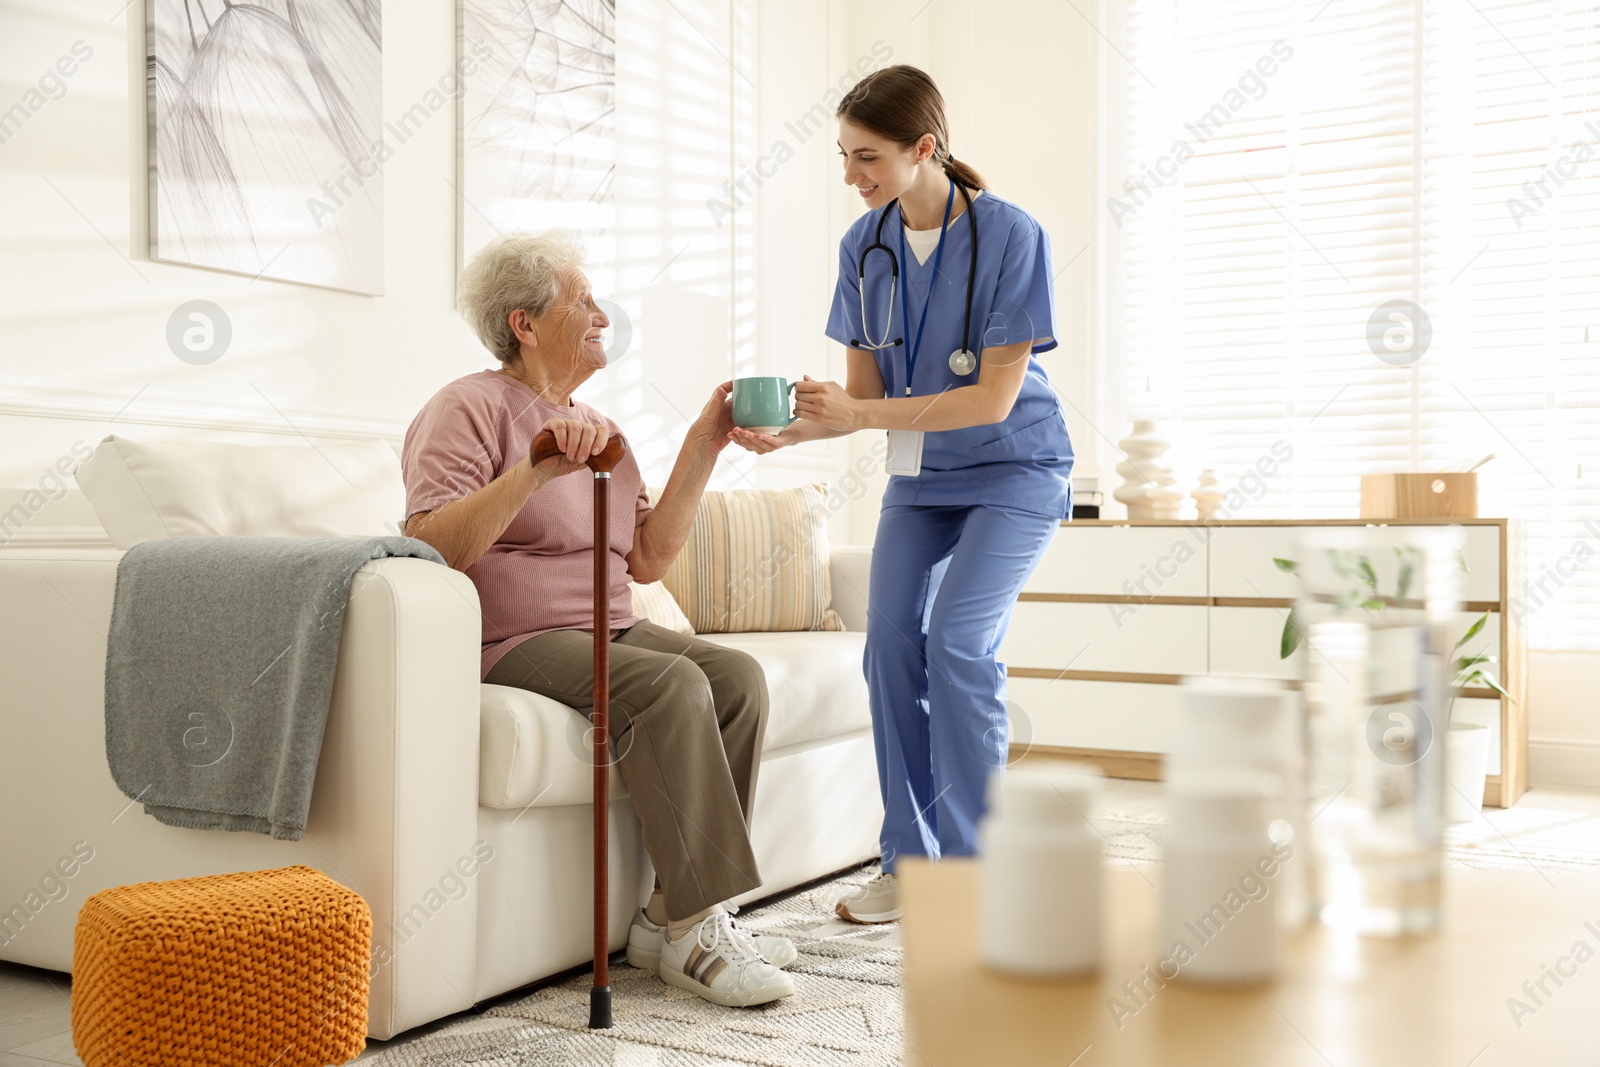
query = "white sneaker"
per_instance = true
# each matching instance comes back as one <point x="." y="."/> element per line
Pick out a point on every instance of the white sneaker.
<point x="721" y="963"/>
<point x="876" y="902"/>
<point x="645" y="939"/>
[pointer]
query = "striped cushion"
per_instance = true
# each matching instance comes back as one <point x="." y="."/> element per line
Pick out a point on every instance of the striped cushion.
<point x="756" y="562"/>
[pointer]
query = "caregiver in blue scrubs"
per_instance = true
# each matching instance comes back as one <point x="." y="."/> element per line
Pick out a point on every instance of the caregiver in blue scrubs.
<point x="941" y="335"/>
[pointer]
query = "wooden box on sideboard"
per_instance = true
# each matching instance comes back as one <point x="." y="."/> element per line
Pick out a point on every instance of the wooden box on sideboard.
<point x="1445" y="495"/>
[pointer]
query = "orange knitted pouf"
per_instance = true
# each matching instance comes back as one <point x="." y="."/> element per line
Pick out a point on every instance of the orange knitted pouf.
<point x="249" y="970"/>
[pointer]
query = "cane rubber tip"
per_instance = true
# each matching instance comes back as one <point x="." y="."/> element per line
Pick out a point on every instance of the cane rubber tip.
<point x="600" y="1008"/>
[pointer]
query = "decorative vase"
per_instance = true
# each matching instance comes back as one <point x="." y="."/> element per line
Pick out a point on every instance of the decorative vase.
<point x="1148" y="487"/>
<point x="1207" y="495"/>
<point x="1466" y="756"/>
<point x="1166" y="496"/>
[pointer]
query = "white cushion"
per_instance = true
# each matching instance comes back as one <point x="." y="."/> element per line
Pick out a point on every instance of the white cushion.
<point x="149" y="490"/>
<point x="534" y="751"/>
<point x="656" y="603"/>
<point x="815" y="679"/>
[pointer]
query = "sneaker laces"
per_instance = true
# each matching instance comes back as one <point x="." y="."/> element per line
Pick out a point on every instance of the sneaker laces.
<point x="723" y="928"/>
<point x="742" y="938"/>
<point x="880" y="881"/>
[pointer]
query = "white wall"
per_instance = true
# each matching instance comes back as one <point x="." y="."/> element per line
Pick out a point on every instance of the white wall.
<point x="82" y="328"/>
<point x="1564" y="731"/>
<point x="83" y="319"/>
<point x="712" y="293"/>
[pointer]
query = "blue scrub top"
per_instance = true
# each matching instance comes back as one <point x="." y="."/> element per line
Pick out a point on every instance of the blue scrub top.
<point x="1025" y="462"/>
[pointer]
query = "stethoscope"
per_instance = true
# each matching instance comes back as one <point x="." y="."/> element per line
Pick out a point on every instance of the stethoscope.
<point x="962" y="360"/>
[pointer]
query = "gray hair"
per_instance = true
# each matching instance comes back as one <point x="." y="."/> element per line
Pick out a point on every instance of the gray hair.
<point x="520" y="270"/>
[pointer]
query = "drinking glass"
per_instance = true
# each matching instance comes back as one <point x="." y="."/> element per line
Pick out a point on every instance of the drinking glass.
<point x="1375" y="611"/>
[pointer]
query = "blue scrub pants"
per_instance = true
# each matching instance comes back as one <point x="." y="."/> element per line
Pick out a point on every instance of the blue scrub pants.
<point x="944" y="580"/>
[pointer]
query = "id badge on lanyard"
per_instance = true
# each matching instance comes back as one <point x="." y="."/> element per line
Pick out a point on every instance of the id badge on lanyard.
<point x="905" y="446"/>
<point x="905" y="453"/>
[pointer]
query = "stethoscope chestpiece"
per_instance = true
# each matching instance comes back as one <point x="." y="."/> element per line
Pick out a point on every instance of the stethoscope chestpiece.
<point x="963" y="362"/>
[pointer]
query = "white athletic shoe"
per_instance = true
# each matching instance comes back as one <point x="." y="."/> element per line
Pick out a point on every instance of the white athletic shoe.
<point x="876" y="902"/>
<point x="645" y="939"/>
<point x="721" y="963"/>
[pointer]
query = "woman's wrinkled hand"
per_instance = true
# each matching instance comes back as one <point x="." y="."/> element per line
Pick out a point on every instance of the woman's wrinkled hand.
<point x="759" y="443"/>
<point x="578" y="441"/>
<point x="716" y="419"/>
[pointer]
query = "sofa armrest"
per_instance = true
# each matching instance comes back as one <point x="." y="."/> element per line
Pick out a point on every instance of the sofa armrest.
<point x="394" y="806"/>
<point x="401" y="783"/>
<point x="849" y="573"/>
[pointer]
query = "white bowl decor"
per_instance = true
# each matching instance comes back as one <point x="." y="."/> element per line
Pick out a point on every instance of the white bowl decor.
<point x="1149" y="488"/>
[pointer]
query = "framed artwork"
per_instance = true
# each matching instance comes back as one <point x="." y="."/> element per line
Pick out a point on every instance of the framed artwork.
<point x="538" y="139"/>
<point x="266" y="138"/>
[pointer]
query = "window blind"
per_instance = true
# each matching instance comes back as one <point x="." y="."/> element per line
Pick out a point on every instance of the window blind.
<point x="1282" y="172"/>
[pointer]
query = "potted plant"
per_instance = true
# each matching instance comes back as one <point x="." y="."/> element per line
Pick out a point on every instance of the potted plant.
<point x="1466" y="745"/>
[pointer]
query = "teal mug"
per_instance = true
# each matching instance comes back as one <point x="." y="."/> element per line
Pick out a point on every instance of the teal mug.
<point x="762" y="404"/>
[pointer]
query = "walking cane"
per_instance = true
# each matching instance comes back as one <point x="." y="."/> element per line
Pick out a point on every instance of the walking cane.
<point x="544" y="447"/>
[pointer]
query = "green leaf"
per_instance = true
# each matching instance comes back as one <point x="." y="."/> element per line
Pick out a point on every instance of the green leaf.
<point x="1368" y="575"/>
<point x="1403" y="585"/>
<point x="1372" y="603"/>
<point x="1473" y="630"/>
<point x="1471" y="661"/>
<point x="1461" y="560"/>
<point x="1486" y="678"/>
<point x="1285" y="565"/>
<point x="1290" y="640"/>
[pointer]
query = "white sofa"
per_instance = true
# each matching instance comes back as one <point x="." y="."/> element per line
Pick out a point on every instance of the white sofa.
<point x="460" y="811"/>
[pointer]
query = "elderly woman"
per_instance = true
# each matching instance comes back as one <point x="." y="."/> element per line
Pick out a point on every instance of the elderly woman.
<point x="687" y="716"/>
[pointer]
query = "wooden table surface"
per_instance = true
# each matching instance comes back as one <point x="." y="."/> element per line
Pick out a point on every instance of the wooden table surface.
<point x="1338" y="1001"/>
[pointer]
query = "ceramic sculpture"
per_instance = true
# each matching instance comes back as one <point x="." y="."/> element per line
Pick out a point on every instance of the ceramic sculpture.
<point x="1207" y="495"/>
<point x="1148" y="489"/>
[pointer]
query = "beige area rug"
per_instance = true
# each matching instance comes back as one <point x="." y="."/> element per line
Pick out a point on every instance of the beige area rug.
<point x="846" y="1011"/>
<point x="1514" y="839"/>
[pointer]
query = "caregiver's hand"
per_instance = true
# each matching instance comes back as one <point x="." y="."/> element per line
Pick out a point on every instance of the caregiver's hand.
<point x="759" y="443"/>
<point x="578" y="440"/>
<point x="827" y="404"/>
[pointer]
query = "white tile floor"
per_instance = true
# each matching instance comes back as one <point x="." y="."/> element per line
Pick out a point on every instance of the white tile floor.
<point x="36" y="1020"/>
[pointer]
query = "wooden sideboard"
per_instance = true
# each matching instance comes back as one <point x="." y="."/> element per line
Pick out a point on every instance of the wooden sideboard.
<point x="1119" y="611"/>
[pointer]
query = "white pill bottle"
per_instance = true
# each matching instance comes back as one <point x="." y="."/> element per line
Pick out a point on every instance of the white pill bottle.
<point x="1221" y="874"/>
<point x="1041" y="893"/>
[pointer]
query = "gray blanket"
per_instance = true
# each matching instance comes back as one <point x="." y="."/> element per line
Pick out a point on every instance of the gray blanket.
<point x="219" y="671"/>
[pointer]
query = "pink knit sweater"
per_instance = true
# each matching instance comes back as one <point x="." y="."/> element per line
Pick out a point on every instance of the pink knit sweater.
<point x="539" y="575"/>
